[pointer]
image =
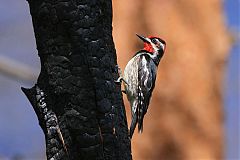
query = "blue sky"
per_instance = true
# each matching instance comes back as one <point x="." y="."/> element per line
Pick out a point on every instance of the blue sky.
<point x="19" y="129"/>
<point x="231" y="98"/>
<point x="20" y="133"/>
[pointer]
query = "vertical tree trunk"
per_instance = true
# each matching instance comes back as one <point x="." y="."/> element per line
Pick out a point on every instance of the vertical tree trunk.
<point x="79" y="107"/>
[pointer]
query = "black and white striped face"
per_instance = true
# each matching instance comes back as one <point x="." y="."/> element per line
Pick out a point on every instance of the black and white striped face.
<point x="157" y="44"/>
<point x="153" y="44"/>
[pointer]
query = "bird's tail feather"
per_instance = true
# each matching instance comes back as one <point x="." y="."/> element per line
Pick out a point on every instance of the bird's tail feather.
<point x="133" y="125"/>
<point x="140" y="121"/>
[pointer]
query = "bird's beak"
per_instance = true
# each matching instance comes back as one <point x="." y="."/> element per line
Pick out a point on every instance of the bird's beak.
<point x="143" y="38"/>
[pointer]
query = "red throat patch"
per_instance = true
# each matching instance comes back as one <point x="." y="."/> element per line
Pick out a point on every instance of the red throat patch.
<point x="148" y="47"/>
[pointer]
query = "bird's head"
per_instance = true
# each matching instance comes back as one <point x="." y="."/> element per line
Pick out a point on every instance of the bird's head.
<point x="153" y="44"/>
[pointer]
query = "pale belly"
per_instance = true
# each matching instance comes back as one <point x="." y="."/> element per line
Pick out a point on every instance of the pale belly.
<point x="131" y="76"/>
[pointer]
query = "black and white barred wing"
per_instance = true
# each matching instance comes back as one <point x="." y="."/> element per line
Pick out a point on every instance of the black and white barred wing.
<point x="146" y="80"/>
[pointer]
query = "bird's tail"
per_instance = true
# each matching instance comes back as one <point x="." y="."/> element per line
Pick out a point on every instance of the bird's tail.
<point x="133" y="124"/>
<point x="140" y="121"/>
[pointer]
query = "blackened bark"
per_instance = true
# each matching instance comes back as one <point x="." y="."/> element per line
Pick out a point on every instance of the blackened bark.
<point x="79" y="107"/>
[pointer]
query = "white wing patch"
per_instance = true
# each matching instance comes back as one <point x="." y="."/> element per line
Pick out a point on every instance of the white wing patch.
<point x="145" y="69"/>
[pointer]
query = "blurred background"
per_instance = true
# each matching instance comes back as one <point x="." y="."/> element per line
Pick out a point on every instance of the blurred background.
<point x="194" y="112"/>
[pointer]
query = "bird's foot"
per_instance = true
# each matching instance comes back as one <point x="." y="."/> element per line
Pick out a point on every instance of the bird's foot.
<point x="120" y="80"/>
<point x="124" y="91"/>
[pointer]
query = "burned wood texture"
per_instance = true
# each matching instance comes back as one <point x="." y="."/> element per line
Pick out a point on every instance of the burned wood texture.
<point x="78" y="69"/>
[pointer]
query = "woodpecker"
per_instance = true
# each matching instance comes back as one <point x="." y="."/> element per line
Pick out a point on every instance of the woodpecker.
<point x="139" y="77"/>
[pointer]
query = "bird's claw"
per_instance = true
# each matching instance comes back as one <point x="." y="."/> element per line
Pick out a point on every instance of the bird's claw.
<point x="123" y="91"/>
<point x="120" y="79"/>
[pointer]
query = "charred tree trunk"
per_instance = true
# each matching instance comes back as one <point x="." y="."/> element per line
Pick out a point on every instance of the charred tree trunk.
<point x="79" y="107"/>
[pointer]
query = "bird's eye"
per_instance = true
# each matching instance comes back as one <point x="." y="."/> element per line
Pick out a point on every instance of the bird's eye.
<point x="154" y="41"/>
